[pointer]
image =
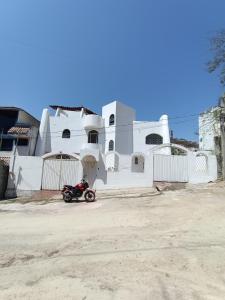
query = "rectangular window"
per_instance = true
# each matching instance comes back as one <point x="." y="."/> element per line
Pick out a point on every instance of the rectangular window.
<point x="22" y="142"/>
<point x="6" y="145"/>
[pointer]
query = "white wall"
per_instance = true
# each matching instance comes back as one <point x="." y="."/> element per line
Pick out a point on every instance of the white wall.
<point x="73" y="122"/>
<point x="122" y="131"/>
<point x="5" y="153"/>
<point x="125" y="117"/>
<point x="127" y="134"/>
<point x="25" y="118"/>
<point x="196" y="173"/>
<point x="25" y="174"/>
<point x="124" y="177"/>
<point x="52" y="127"/>
<point x="142" y="129"/>
<point x="110" y="131"/>
<point x="209" y="127"/>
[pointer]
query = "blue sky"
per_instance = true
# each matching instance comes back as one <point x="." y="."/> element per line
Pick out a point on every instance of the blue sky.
<point x="149" y="54"/>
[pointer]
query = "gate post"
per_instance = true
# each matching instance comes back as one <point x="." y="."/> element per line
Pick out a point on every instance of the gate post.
<point x="42" y="172"/>
<point x="60" y="171"/>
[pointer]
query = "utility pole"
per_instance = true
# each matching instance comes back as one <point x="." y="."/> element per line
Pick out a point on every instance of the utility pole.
<point x="1" y="139"/>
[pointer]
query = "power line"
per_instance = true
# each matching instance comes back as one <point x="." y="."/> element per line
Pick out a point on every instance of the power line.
<point x="137" y="123"/>
<point x="59" y="133"/>
<point x="125" y="125"/>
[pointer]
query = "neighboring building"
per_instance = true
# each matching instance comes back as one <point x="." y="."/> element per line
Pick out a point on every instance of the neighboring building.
<point x="191" y="145"/>
<point x="18" y="132"/>
<point x="210" y="134"/>
<point x="209" y="129"/>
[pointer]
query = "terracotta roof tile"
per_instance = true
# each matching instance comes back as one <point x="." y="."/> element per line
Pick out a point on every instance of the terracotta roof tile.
<point x="19" y="130"/>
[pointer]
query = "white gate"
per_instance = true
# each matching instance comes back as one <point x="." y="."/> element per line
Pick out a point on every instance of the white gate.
<point x="57" y="172"/>
<point x="170" y="168"/>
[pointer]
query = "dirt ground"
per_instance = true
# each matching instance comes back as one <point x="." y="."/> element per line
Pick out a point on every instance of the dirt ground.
<point x="135" y="244"/>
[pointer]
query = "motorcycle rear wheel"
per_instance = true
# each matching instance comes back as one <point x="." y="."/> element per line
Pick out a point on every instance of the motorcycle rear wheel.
<point x="67" y="197"/>
<point x="89" y="196"/>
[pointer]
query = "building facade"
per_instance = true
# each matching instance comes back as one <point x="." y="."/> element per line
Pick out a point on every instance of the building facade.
<point x="210" y="134"/>
<point x="111" y="150"/>
<point x="18" y="132"/>
<point x="77" y="130"/>
<point x="103" y="144"/>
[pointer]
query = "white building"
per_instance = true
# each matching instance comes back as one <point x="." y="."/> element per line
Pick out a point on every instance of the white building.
<point x="209" y="129"/>
<point x="210" y="134"/>
<point x="108" y="143"/>
<point x="111" y="150"/>
<point x="77" y="130"/>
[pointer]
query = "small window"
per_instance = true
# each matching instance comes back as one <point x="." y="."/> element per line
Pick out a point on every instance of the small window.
<point x="62" y="156"/>
<point x="153" y="139"/>
<point x="66" y="134"/>
<point x="136" y="160"/>
<point x="6" y="145"/>
<point x="111" y="145"/>
<point x="93" y="137"/>
<point x="22" y="142"/>
<point x="111" y="120"/>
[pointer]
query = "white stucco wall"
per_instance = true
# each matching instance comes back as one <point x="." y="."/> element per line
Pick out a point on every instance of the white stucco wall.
<point x="125" y="117"/>
<point x="209" y="127"/>
<point x="122" y="131"/>
<point x="127" y="134"/>
<point x="25" y="174"/>
<point x="195" y="174"/>
<point x="73" y="122"/>
<point x="124" y="176"/>
<point x="143" y="129"/>
<point x="25" y="118"/>
<point x="52" y="127"/>
<point x="110" y="131"/>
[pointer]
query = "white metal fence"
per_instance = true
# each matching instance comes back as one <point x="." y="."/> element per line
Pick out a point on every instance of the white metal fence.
<point x="57" y="172"/>
<point x="171" y="168"/>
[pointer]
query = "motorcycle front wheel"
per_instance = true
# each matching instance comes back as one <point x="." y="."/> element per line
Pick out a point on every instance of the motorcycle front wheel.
<point x="67" y="197"/>
<point x="89" y="196"/>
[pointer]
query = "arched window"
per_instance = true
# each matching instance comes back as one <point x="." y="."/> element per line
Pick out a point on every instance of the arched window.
<point x="93" y="137"/>
<point x="111" y="145"/>
<point x="138" y="163"/>
<point x="153" y="139"/>
<point x="111" y="120"/>
<point x="66" y="134"/>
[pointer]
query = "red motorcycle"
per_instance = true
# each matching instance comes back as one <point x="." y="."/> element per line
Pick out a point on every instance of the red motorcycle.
<point x="70" y="192"/>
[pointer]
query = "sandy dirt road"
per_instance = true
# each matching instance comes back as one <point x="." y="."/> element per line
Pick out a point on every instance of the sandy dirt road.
<point x="169" y="246"/>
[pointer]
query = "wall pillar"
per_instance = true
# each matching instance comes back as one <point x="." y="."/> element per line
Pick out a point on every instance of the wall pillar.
<point x="43" y="133"/>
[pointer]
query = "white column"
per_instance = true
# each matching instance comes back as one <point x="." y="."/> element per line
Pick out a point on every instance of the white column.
<point x="165" y="133"/>
<point x="43" y="134"/>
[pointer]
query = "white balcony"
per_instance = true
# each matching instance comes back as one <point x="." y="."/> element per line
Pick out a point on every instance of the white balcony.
<point x="90" y="151"/>
<point x="92" y="122"/>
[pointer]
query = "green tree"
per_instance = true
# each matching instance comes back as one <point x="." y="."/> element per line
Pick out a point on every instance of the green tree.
<point x="218" y="61"/>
